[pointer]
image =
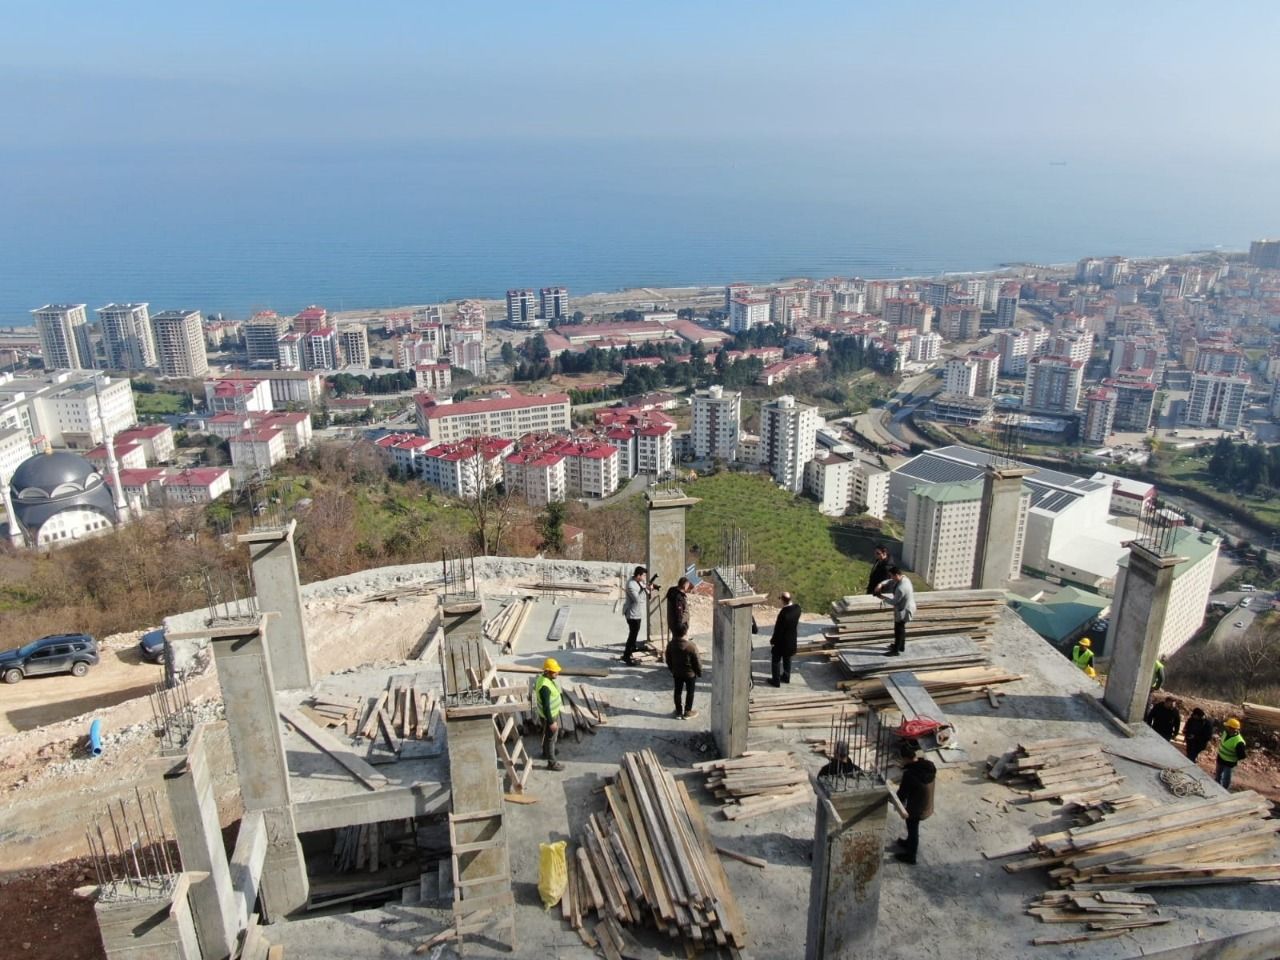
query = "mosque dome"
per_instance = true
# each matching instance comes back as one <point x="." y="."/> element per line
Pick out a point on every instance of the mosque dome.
<point x="51" y="484"/>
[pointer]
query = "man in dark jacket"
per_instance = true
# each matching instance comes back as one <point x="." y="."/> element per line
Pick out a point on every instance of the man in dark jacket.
<point x="783" y="642"/>
<point x="685" y="667"/>
<point x="916" y="794"/>
<point x="1165" y="718"/>
<point x="678" y="607"/>
<point x="1197" y="732"/>
<point x="879" y="572"/>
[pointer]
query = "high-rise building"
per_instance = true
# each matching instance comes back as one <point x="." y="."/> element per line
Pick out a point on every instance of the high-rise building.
<point x="748" y="312"/>
<point x="320" y="349"/>
<point x="788" y="435"/>
<point x="180" y="348"/>
<point x="1217" y="400"/>
<point x="961" y="376"/>
<point x="466" y="349"/>
<point x="1099" y="414"/>
<point x="1135" y="352"/>
<point x="354" y="342"/>
<point x="1007" y="304"/>
<point x="1089" y="270"/>
<point x="1053" y="385"/>
<point x="925" y="347"/>
<point x="1135" y="400"/>
<point x="64" y="336"/>
<point x="1115" y="270"/>
<point x="936" y="293"/>
<point x="553" y="303"/>
<point x="1077" y="344"/>
<point x="717" y="423"/>
<point x="127" y="339"/>
<point x="522" y="308"/>
<point x="1265" y="253"/>
<point x="261" y="336"/>
<point x="1213" y="358"/>
<point x="958" y="321"/>
<point x="941" y="538"/>
<point x="311" y="319"/>
<point x="1018" y="346"/>
<point x="733" y="291"/>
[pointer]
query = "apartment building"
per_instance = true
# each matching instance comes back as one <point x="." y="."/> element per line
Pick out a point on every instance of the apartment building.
<point x="63" y="329"/>
<point x="262" y="333"/>
<point x="522" y="309"/>
<point x="127" y="337"/>
<point x="788" y="436"/>
<point x="717" y="423"/>
<point x="464" y="468"/>
<point x="1217" y="400"/>
<point x="747" y="312"/>
<point x="237" y="396"/>
<point x="180" y="349"/>
<point x="353" y="341"/>
<point x="941" y="539"/>
<point x="507" y="413"/>
<point x="1099" y="415"/>
<point x="66" y="408"/>
<point x="1053" y="385"/>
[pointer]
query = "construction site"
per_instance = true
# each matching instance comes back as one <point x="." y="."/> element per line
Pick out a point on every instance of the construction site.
<point x="353" y="769"/>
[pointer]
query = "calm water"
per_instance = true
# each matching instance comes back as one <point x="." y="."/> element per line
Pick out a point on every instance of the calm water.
<point x="237" y="229"/>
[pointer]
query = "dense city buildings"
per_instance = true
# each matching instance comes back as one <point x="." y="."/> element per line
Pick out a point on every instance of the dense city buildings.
<point x="1054" y="384"/>
<point x="1265" y="254"/>
<point x="127" y="338"/>
<point x="262" y="333"/>
<point x="1099" y="415"/>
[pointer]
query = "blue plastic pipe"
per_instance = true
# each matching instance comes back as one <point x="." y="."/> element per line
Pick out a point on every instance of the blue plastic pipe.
<point x="95" y="738"/>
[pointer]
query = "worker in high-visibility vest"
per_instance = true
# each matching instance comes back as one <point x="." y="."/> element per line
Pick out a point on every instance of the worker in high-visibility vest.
<point x="1082" y="653"/>
<point x="1231" y="750"/>
<point x="546" y="699"/>
<point x="1157" y="675"/>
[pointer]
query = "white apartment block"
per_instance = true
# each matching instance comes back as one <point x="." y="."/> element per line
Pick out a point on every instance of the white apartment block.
<point x="64" y="336"/>
<point x="537" y="476"/>
<point x="1053" y="385"/>
<point x="237" y="396"/>
<point x="1018" y="346"/>
<point x="63" y="409"/>
<point x="466" y="349"/>
<point x="320" y="349"/>
<point x="354" y="343"/>
<point x="1189" y="594"/>
<point x="1078" y="345"/>
<point x="788" y="437"/>
<point x="255" y="451"/>
<point x="961" y="376"/>
<point x="433" y="377"/>
<point x="508" y="414"/>
<point x="289" y="351"/>
<point x="748" y="312"/>
<point x="653" y="446"/>
<point x="1217" y="400"/>
<point x="406" y="451"/>
<point x="925" y="347"/>
<point x="127" y="337"/>
<point x="155" y="441"/>
<point x="290" y="389"/>
<point x="941" y="539"/>
<point x="717" y="423"/>
<point x="463" y="469"/>
<point x="590" y="468"/>
<point x="840" y="483"/>
<point x="180" y="349"/>
<point x="871" y="490"/>
<point x="416" y="348"/>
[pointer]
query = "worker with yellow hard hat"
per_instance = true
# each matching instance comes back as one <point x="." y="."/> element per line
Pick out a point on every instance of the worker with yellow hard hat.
<point x="1231" y="750"/>
<point x="1082" y="654"/>
<point x="546" y="700"/>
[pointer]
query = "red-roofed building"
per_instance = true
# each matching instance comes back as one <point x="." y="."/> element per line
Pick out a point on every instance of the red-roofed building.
<point x="128" y="455"/>
<point x="288" y="388"/>
<point x="591" y="467"/>
<point x="644" y="439"/>
<point x="143" y="488"/>
<point x="198" y="485"/>
<point x="407" y="450"/>
<point x="256" y="450"/>
<point x="536" y="475"/>
<point x="507" y="413"/>
<point x="312" y="318"/>
<point x="156" y="441"/>
<point x="777" y="372"/>
<point x="463" y="468"/>
<point x="433" y="377"/>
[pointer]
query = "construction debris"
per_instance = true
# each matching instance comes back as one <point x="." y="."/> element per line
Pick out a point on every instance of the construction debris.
<point x="1262" y="716"/>
<point x="812" y="709"/>
<point x="757" y="783"/>
<point x="1102" y="911"/>
<point x="505" y="627"/>
<point x="1067" y="770"/>
<point x="650" y="858"/>
<point x="334" y="711"/>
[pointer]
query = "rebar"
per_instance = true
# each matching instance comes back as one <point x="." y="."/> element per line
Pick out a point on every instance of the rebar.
<point x="139" y="864"/>
<point x="858" y="746"/>
<point x="1157" y="531"/>
<point x="174" y="715"/>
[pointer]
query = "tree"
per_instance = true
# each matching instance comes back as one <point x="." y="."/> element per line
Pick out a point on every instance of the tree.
<point x="509" y="353"/>
<point x="551" y="526"/>
<point x="490" y="504"/>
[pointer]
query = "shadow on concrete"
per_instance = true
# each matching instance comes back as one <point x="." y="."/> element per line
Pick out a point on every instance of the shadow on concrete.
<point x="28" y="718"/>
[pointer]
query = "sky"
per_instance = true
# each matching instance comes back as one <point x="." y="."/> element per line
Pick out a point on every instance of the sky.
<point x="1090" y="76"/>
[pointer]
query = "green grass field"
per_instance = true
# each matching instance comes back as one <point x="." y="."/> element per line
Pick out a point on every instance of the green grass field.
<point x="793" y="546"/>
<point x="159" y="404"/>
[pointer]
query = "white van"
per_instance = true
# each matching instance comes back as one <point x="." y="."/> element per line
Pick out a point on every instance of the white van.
<point x="1248" y="588"/>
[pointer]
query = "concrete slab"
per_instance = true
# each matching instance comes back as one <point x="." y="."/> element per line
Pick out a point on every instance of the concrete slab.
<point x="954" y="903"/>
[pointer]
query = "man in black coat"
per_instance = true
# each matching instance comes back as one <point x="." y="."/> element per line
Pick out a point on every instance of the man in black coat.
<point x="879" y="572"/>
<point x="783" y="641"/>
<point x="1197" y="732"/>
<point x="1165" y="718"/>
<point x="916" y="794"/>
<point x="685" y="666"/>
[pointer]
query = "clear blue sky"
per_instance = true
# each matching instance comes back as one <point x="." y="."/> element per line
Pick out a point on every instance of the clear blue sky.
<point x="1094" y="75"/>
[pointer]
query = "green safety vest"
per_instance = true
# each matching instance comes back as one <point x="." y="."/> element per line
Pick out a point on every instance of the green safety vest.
<point x="547" y="682"/>
<point x="1229" y="749"/>
<point x="1081" y="656"/>
<point x="1157" y="677"/>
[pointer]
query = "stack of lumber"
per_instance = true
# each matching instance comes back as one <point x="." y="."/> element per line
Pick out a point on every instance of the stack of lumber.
<point x="944" y="686"/>
<point x="331" y="710"/>
<point x="576" y="586"/>
<point x="650" y="859"/>
<point x="811" y="709"/>
<point x="949" y="652"/>
<point x="867" y="618"/>
<point x="1262" y="716"/>
<point x="581" y="709"/>
<point x="1107" y="913"/>
<point x="402" y="712"/>
<point x="504" y="628"/>
<point x="757" y="782"/>
<point x="1184" y="843"/>
<point x="1066" y="769"/>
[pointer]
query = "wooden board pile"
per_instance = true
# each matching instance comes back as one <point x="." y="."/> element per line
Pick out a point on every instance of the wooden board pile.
<point x="649" y="858"/>
<point x="949" y="652"/>
<point x="812" y="709"/>
<point x="756" y="783"/>
<point x="1185" y="843"/>
<point x="867" y="619"/>
<point x="402" y="712"/>
<point x="581" y="709"/>
<point x="1262" y="716"/>
<point x="504" y="627"/>
<point x="944" y="686"/>
<point x="1064" y="769"/>
<point x="1106" y="913"/>
<point x="332" y="710"/>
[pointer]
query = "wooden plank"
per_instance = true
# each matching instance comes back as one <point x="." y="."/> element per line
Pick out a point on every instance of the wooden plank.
<point x="727" y="905"/>
<point x="339" y="751"/>
<point x="370" y="726"/>
<point x="742" y="857"/>
<point x="567" y="672"/>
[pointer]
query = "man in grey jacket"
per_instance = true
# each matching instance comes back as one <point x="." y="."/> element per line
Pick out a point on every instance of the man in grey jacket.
<point x="903" y="598"/>
<point x="633" y="608"/>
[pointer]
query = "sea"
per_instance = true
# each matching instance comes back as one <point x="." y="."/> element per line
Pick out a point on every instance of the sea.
<point x="233" y="228"/>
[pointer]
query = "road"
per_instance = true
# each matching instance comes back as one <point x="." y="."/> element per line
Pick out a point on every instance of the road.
<point x="1226" y="631"/>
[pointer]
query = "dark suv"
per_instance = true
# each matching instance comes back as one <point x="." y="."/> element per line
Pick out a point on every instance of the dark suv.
<point x="71" y="653"/>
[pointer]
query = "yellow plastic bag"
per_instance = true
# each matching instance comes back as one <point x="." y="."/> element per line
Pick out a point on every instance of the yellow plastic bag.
<point x="553" y="874"/>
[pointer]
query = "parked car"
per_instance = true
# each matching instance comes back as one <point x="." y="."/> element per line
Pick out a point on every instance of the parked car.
<point x="151" y="646"/>
<point x="1248" y="588"/>
<point x="72" y="653"/>
<point x="1246" y="601"/>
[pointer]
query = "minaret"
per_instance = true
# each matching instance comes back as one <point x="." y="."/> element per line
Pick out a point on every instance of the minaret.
<point x="113" y="467"/>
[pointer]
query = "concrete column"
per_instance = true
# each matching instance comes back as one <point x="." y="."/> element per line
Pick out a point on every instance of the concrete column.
<point x="194" y="810"/>
<point x="477" y="786"/>
<point x="731" y="663"/>
<point x="243" y="663"/>
<point x="998" y="526"/>
<point x="1139" y="614"/>
<point x="464" y="643"/>
<point x="147" y="927"/>
<point x="844" y="887"/>
<point x="275" y="578"/>
<point x="666" y="542"/>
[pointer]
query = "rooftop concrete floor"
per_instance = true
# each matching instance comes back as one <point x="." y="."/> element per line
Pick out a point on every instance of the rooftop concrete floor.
<point x="954" y="903"/>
